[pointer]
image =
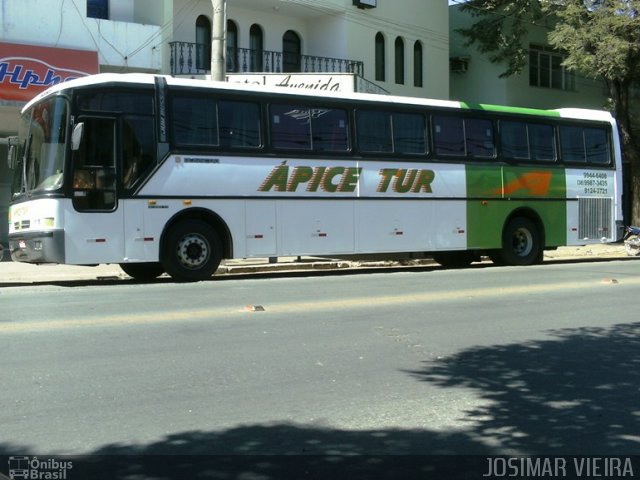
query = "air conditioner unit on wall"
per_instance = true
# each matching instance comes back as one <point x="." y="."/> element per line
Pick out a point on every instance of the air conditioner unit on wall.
<point x="459" y="64"/>
<point x="365" y="3"/>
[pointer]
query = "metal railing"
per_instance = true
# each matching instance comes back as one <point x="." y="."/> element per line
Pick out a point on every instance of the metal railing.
<point x="195" y="59"/>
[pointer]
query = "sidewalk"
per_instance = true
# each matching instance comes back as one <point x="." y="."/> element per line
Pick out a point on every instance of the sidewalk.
<point x="23" y="273"/>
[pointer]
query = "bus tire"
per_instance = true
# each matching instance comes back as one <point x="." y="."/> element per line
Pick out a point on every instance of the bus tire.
<point x="191" y="251"/>
<point x="144" y="272"/>
<point x="521" y="243"/>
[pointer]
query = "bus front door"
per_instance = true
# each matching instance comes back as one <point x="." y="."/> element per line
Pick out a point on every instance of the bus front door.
<point x="94" y="231"/>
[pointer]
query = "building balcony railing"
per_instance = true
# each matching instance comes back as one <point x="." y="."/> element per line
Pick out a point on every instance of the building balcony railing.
<point x="195" y="59"/>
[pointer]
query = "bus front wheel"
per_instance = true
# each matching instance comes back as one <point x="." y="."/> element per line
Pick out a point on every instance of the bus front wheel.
<point x="191" y="251"/>
<point x="521" y="243"/>
<point x="144" y="272"/>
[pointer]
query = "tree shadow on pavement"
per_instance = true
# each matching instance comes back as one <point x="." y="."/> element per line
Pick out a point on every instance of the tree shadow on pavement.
<point x="575" y="393"/>
<point x="280" y="451"/>
<point x="578" y="393"/>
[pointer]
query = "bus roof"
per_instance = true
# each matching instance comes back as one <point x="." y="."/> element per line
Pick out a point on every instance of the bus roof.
<point x="149" y="79"/>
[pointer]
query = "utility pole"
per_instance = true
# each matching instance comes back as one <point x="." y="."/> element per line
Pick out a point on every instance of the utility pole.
<point x="218" y="35"/>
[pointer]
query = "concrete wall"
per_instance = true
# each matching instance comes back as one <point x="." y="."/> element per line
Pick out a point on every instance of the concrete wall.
<point x="416" y="20"/>
<point x="64" y="24"/>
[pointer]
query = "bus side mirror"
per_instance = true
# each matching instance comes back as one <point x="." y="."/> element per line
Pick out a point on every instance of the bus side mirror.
<point x="76" y="136"/>
<point x="12" y="157"/>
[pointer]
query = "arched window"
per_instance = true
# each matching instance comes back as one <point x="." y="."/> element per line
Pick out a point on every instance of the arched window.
<point x="399" y="51"/>
<point x="233" y="62"/>
<point x="417" y="64"/>
<point x="203" y="43"/>
<point x="291" y="52"/>
<point x="256" y="44"/>
<point x="380" y="60"/>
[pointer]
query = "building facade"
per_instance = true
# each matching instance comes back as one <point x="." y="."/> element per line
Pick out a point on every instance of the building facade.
<point x="544" y="83"/>
<point x="402" y="50"/>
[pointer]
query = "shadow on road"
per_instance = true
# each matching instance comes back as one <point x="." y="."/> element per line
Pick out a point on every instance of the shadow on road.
<point x="574" y="393"/>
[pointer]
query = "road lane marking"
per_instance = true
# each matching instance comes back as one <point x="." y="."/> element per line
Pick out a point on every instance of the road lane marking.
<point x="310" y="306"/>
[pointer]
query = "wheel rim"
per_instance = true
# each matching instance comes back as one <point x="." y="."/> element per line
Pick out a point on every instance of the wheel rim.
<point x="193" y="251"/>
<point x="522" y="242"/>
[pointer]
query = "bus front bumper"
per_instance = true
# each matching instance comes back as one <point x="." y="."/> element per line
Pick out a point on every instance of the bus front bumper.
<point x="37" y="247"/>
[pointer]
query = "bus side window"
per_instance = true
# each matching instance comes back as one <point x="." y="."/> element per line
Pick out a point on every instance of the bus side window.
<point x="597" y="146"/>
<point x="513" y="140"/>
<point x="194" y="121"/>
<point x="239" y="124"/>
<point x="329" y="128"/>
<point x="541" y="142"/>
<point x="138" y="152"/>
<point x="572" y="144"/>
<point x="290" y="126"/>
<point x="449" y="135"/>
<point x="479" y="137"/>
<point x="584" y="145"/>
<point x="374" y="131"/>
<point x="409" y="133"/>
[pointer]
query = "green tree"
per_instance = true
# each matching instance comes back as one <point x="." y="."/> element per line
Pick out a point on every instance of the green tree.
<point x="600" y="38"/>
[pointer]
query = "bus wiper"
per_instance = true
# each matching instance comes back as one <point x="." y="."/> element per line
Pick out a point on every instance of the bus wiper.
<point x="27" y="147"/>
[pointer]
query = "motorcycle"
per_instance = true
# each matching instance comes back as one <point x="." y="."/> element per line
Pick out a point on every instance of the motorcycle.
<point x="631" y="241"/>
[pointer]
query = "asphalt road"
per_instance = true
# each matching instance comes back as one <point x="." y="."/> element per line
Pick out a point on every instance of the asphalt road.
<point x="484" y="360"/>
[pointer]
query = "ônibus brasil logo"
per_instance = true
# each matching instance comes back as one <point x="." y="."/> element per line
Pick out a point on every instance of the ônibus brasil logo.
<point x="26" y="72"/>
<point x="27" y="468"/>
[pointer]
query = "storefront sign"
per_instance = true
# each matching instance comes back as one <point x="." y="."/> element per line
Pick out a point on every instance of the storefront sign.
<point x="27" y="70"/>
<point x="327" y="82"/>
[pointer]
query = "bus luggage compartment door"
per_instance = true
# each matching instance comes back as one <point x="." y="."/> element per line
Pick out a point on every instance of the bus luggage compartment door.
<point x="260" y="228"/>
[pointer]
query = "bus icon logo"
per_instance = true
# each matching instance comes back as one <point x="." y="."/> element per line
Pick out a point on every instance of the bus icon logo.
<point x="18" y="468"/>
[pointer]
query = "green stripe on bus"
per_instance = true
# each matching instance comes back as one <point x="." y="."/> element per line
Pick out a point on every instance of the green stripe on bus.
<point x="496" y="193"/>
<point x="505" y="109"/>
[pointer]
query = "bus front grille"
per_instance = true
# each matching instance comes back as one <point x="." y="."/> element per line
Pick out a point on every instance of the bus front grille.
<point x="595" y="218"/>
<point x="22" y="225"/>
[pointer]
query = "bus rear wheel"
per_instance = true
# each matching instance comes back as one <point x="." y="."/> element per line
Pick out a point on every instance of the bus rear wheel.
<point x="144" y="272"/>
<point x="521" y="243"/>
<point x="191" y="251"/>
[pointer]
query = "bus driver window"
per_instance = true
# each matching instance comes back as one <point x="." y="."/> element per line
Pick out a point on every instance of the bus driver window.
<point x="94" y="166"/>
<point x="131" y="157"/>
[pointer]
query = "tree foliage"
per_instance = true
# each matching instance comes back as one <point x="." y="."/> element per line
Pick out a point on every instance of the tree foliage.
<point x="600" y="39"/>
<point x="500" y="28"/>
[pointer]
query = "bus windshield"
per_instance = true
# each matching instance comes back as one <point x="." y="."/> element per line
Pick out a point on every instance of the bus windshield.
<point x="41" y="148"/>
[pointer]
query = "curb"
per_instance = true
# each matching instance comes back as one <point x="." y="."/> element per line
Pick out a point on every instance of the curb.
<point x="15" y="273"/>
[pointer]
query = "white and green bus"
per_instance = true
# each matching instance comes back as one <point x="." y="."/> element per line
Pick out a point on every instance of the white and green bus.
<point x="160" y="174"/>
